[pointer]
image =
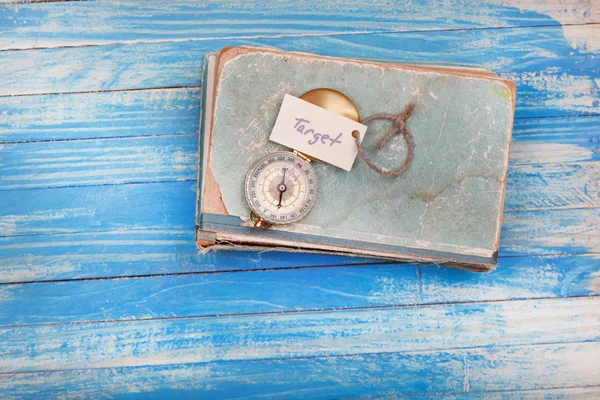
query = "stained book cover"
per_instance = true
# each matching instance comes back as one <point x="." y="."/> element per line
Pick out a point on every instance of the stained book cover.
<point x="445" y="209"/>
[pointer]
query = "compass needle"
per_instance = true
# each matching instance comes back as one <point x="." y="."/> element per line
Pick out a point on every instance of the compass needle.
<point x="282" y="187"/>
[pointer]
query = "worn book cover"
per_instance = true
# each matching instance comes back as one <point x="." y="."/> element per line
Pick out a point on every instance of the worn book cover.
<point x="446" y="208"/>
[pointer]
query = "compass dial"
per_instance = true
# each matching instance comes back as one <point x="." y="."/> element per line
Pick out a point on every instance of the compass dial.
<point x="281" y="187"/>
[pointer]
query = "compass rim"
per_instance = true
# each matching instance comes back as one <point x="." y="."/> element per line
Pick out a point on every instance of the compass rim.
<point x="260" y="213"/>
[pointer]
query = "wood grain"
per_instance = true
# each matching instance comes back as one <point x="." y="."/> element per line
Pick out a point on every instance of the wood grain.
<point x="543" y="93"/>
<point x="532" y="394"/>
<point x="170" y="206"/>
<point x="543" y="140"/>
<point x="97" y="181"/>
<point x="133" y="252"/>
<point x="457" y="374"/>
<point x="99" y="115"/>
<point x="553" y="78"/>
<point x="174" y="158"/>
<point x="175" y="111"/>
<point x="99" y="162"/>
<point x="159" y="206"/>
<point x="142" y="252"/>
<point x="276" y="289"/>
<point x="68" y="24"/>
<point x="299" y="335"/>
<point x="553" y="186"/>
<point x="550" y="232"/>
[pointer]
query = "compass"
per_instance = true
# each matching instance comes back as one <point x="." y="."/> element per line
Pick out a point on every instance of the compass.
<point x="281" y="188"/>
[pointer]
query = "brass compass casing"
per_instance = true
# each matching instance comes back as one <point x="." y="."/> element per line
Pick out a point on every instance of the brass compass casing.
<point x="333" y="101"/>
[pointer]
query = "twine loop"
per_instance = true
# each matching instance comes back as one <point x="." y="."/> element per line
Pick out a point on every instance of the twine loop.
<point x="399" y="121"/>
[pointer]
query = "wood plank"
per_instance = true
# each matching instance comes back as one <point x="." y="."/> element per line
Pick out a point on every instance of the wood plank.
<point x="515" y="278"/>
<point x="63" y="24"/>
<point x="170" y="206"/>
<point x="133" y="253"/>
<point x="545" y="93"/>
<point x="552" y="186"/>
<point x="99" y="115"/>
<point x="286" y="290"/>
<point x="99" y="162"/>
<point x="175" y="111"/>
<point x="564" y="83"/>
<point x="506" y="371"/>
<point x="531" y="394"/>
<point x="160" y="206"/>
<point x="298" y="335"/>
<point x="295" y="335"/>
<point x="142" y="252"/>
<point x="543" y="140"/>
<point x="174" y="158"/>
<point x="550" y="232"/>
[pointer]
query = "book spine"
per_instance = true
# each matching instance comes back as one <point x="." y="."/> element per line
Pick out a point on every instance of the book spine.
<point x="202" y="125"/>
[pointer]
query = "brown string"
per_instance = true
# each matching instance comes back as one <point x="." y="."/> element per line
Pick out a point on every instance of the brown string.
<point x="399" y="121"/>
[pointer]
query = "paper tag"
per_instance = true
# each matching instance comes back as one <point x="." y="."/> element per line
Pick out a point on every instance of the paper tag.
<point x="316" y="132"/>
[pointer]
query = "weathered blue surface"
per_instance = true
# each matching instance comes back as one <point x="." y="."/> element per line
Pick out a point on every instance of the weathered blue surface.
<point x="40" y="25"/>
<point x="543" y="89"/>
<point x="279" y="289"/>
<point x="385" y="374"/>
<point x="73" y="208"/>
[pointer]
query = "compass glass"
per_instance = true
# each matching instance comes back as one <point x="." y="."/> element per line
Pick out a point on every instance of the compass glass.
<point x="281" y="187"/>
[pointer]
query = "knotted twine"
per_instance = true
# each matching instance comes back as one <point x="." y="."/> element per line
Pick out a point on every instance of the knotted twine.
<point x="399" y="121"/>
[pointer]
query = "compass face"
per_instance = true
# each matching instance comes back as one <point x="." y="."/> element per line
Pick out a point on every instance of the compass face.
<point x="281" y="187"/>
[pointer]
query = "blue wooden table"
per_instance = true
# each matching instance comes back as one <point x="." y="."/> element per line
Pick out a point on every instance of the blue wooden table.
<point x="103" y="293"/>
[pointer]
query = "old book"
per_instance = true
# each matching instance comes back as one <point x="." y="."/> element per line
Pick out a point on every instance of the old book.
<point x="446" y="208"/>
